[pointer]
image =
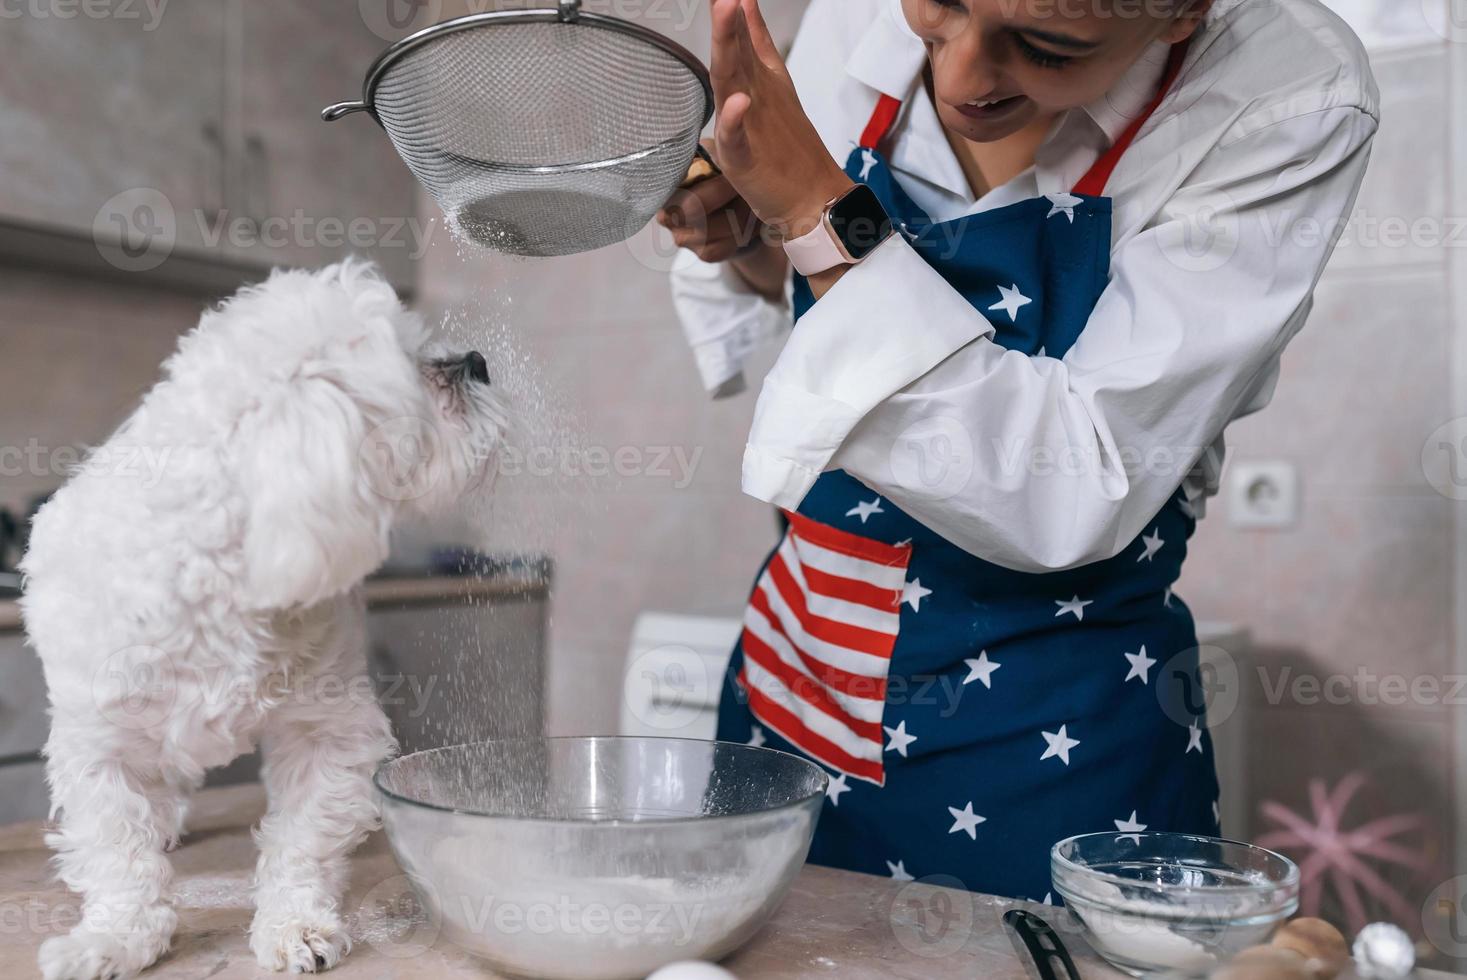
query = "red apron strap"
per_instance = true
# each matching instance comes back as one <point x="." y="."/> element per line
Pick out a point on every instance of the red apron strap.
<point x="885" y="117"/>
<point x="1093" y="183"/>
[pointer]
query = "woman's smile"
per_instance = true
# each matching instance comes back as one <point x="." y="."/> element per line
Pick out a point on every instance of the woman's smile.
<point x="1039" y="61"/>
<point x="992" y="110"/>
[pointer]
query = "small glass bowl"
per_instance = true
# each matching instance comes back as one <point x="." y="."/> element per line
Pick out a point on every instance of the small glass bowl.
<point x="1172" y="905"/>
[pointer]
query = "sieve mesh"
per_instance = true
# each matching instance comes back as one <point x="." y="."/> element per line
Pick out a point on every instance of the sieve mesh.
<point x="544" y="138"/>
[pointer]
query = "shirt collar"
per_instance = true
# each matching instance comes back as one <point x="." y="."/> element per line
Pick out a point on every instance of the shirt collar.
<point x="1114" y="111"/>
<point x="889" y="58"/>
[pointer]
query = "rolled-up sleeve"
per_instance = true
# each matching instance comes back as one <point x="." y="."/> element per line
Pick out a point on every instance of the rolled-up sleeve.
<point x="1038" y="463"/>
<point x="724" y="320"/>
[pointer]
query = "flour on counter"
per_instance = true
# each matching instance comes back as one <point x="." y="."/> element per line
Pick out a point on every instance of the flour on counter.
<point x="215" y="892"/>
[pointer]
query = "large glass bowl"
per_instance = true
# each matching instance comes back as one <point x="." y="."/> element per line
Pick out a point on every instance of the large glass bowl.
<point x="600" y="858"/>
<point x="1172" y="905"/>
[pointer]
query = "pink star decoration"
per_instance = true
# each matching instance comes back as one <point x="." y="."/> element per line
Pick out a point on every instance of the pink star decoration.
<point x="1331" y="857"/>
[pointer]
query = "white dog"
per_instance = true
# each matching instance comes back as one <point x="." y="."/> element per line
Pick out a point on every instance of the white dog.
<point x="193" y="588"/>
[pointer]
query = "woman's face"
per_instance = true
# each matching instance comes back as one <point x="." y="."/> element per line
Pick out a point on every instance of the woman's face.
<point x="998" y="65"/>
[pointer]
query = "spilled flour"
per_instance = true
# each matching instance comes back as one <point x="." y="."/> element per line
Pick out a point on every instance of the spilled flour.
<point x="234" y="891"/>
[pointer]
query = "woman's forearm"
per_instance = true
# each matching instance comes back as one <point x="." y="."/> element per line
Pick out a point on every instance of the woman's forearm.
<point x="765" y="269"/>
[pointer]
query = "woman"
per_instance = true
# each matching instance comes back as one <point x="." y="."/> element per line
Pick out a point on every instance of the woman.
<point x="1063" y="254"/>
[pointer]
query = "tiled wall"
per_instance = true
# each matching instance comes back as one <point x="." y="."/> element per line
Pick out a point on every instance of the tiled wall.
<point x="1363" y="587"/>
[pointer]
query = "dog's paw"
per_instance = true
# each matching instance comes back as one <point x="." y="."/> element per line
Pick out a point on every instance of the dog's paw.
<point x="300" y="944"/>
<point x="86" y="956"/>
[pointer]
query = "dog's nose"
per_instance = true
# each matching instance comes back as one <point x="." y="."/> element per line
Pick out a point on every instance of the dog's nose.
<point x="478" y="367"/>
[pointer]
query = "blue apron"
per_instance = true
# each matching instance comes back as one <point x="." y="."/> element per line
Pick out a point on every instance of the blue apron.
<point x="971" y="715"/>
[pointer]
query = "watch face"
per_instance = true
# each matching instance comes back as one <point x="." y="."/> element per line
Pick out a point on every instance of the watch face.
<point x="860" y="222"/>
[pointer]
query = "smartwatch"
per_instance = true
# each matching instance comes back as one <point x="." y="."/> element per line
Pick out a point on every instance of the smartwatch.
<point x="852" y="227"/>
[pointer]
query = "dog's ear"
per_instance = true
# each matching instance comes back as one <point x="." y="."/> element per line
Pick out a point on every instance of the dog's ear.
<point x="315" y="527"/>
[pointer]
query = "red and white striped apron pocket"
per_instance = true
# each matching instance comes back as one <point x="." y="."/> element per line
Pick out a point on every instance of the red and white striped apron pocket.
<point x="818" y="637"/>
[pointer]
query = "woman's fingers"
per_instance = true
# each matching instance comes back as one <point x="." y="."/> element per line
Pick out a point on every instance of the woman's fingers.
<point x="734" y="149"/>
<point x="692" y="205"/>
<point x="733" y="225"/>
<point x="715" y="253"/>
<point x="760" y="38"/>
<point x="725" y="66"/>
<point x="721" y="235"/>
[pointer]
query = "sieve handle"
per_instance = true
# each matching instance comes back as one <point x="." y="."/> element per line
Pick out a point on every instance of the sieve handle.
<point x="702" y="168"/>
<point x="570" y="11"/>
<point x="334" y="112"/>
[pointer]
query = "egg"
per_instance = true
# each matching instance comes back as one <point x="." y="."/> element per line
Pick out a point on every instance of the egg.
<point x="692" y="970"/>
<point x="1321" y="944"/>
<point x="1384" y="952"/>
<point x="1264" y="963"/>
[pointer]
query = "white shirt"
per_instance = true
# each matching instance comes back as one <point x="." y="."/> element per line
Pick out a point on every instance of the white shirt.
<point x="1224" y="208"/>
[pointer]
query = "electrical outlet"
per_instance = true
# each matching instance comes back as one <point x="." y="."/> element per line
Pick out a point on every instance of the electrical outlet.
<point x="1263" y="494"/>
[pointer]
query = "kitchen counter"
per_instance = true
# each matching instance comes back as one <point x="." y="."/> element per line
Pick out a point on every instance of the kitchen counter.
<point x="399" y="591"/>
<point x="834" y="923"/>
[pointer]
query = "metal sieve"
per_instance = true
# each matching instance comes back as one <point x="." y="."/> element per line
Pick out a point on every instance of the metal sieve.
<point x="541" y="131"/>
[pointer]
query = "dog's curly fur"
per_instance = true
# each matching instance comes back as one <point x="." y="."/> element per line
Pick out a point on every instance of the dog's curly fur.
<point x="185" y="613"/>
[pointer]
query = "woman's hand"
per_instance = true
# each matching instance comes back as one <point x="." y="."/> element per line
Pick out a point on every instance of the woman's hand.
<point x="713" y="222"/>
<point x="769" y="150"/>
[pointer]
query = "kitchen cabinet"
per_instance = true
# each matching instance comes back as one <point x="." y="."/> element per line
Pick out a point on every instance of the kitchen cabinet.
<point x="453" y="659"/>
<point x="95" y="106"/>
<point x="315" y="184"/>
<point x="23" y="719"/>
<point x="23" y="729"/>
<point x="192" y="142"/>
<point x="461" y="674"/>
<point x="23" y="793"/>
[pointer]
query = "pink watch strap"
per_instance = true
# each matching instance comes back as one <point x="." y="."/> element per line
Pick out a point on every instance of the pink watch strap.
<point x="816" y="252"/>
